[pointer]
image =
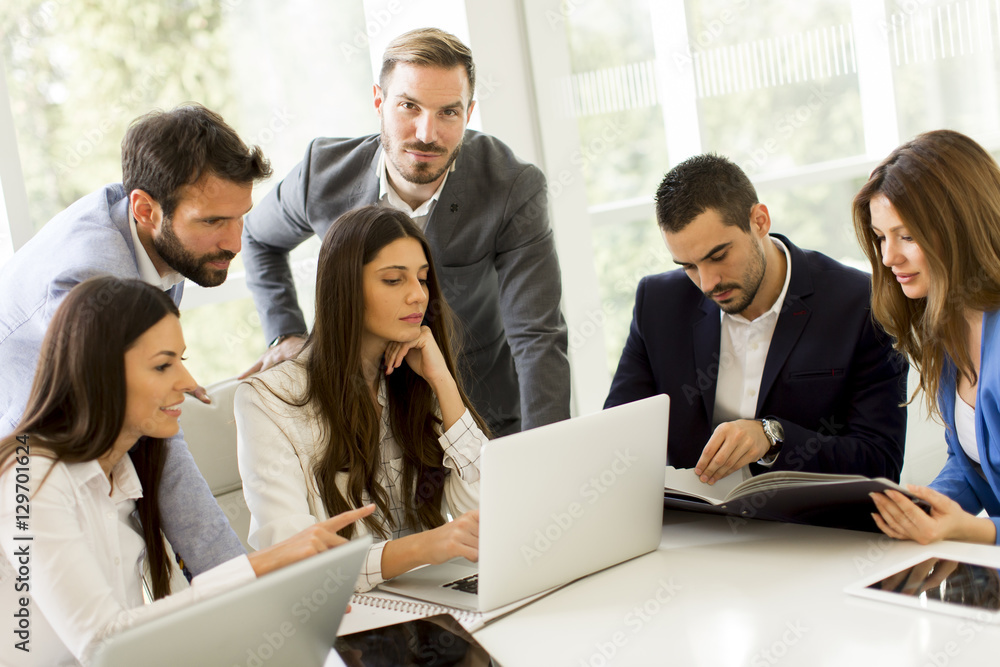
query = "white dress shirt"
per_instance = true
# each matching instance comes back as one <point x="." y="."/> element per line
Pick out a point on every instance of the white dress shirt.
<point x="742" y="354"/>
<point x="86" y="562"/>
<point x="389" y="197"/>
<point x="279" y="444"/>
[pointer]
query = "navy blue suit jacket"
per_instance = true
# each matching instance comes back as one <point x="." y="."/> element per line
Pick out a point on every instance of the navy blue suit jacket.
<point x="831" y="377"/>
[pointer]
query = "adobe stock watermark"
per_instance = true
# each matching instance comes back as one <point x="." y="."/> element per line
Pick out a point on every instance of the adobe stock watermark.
<point x="279" y="121"/>
<point x="151" y="82"/>
<point x="633" y="622"/>
<point x="786" y="126"/>
<point x="28" y="27"/>
<point x="270" y="643"/>
<point x="967" y="631"/>
<point x="558" y="18"/>
<point x="873" y="554"/>
<point x="780" y="647"/>
<point x="375" y="23"/>
<point x="562" y="522"/>
<point x="713" y="30"/>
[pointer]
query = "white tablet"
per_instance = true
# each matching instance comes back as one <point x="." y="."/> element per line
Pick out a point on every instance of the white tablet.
<point x="967" y="588"/>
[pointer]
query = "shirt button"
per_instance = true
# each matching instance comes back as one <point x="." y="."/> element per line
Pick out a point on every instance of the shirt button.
<point x="751" y="392"/>
<point x="118" y="561"/>
<point x="754" y="347"/>
<point x="111" y="515"/>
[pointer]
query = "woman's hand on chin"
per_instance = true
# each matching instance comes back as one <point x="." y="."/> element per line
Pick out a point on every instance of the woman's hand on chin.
<point x="422" y="354"/>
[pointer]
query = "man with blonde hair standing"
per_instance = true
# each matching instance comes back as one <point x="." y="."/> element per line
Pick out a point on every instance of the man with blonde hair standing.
<point x="483" y="211"/>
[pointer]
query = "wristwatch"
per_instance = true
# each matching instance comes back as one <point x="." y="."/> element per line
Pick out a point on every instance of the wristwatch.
<point x="282" y="337"/>
<point x="775" y="435"/>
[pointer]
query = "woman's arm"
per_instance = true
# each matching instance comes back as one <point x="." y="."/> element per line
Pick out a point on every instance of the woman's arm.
<point x="274" y="483"/>
<point x="69" y="583"/>
<point x="900" y="518"/>
<point x="424" y="356"/>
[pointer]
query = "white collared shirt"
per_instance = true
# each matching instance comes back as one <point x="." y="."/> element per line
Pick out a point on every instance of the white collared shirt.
<point x="86" y="560"/>
<point x="387" y="195"/>
<point x="278" y="445"/>
<point x="742" y="353"/>
<point x="147" y="271"/>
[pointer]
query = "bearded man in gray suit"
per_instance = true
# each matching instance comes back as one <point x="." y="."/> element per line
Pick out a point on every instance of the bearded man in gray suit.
<point x="187" y="180"/>
<point x="483" y="211"/>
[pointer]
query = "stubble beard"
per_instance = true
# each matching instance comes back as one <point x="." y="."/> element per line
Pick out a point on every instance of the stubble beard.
<point x="186" y="263"/>
<point x="418" y="173"/>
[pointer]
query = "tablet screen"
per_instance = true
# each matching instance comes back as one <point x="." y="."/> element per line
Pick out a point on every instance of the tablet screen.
<point x="948" y="581"/>
<point x="436" y="641"/>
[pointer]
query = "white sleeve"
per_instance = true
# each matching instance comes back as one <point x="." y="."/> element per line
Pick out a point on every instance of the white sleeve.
<point x="462" y="444"/>
<point x="274" y="483"/>
<point x="68" y="583"/>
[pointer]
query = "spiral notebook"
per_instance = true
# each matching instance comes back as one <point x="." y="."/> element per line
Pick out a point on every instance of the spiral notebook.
<point x="379" y="609"/>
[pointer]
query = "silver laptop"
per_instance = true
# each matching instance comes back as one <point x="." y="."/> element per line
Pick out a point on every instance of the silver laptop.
<point x="288" y="617"/>
<point x="558" y="503"/>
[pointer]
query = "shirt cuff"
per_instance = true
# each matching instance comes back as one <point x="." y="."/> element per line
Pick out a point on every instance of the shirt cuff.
<point x="462" y="445"/>
<point x="371" y="573"/>
<point x="231" y="574"/>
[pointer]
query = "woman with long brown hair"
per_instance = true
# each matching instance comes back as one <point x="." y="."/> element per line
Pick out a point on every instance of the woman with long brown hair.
<point x="929" y="220"/>
<point x="370" y="411"/>
<point x="80" y="476"/>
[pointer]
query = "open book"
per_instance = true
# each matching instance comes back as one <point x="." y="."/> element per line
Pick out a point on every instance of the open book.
<point x="837" y="501"/>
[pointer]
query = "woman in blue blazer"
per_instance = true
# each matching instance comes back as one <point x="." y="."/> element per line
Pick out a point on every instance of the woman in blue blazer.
<point x="929" y="220"/>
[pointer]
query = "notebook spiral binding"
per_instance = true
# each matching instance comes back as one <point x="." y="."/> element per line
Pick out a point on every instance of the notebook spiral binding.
<point x="413" y="607"/>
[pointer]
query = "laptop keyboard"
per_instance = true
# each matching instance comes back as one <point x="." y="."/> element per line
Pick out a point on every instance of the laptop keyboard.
<point x="469" y="584"/>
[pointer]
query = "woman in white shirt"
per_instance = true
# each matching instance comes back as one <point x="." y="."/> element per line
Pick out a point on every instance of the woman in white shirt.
<point x="79" y="477"/>
<point x="371" y="411"/>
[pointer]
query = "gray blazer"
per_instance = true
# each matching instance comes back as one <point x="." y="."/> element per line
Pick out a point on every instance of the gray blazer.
<point x="493" y="249"/>
<point x="88" y="239"/>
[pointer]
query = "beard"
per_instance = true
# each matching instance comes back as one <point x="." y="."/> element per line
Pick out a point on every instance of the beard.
<point x="418" y="173"/>
<point x="183" y="261"/>
<point x="747" y="288"/>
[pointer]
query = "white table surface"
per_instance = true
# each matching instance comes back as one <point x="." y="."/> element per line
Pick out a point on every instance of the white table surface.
<point x="751" y="593"/>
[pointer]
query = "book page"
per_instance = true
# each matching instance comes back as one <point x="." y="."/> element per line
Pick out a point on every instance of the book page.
<point x="685" y="481"/>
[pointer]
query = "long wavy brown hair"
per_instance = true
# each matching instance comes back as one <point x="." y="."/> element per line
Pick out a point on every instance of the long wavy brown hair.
<point x="76" y="409"/>
<point x="337" y="390"/>
<point x="946" y="189"/>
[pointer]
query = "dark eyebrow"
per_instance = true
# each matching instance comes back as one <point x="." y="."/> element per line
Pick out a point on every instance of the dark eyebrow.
<point x="216" y="218"/>
<point x="402" y="268"/>
<point x="454" y="105"/>
<point x="718" y="248"/>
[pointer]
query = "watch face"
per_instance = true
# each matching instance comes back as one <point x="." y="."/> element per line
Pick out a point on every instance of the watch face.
<point x="775" y="429"/>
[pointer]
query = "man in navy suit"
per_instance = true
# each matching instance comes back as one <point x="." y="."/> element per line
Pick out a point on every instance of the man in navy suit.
<point x="767" y="351"/>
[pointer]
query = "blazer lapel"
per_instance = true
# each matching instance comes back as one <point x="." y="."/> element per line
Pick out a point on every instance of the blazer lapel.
<point x="707" y="336"/>
<point x="450" y="207"/>
<point x="792" y="320"/>
<point x="366" y="189"/>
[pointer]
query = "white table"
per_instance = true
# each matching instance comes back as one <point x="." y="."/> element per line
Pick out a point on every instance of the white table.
<point x="746" y="593"/>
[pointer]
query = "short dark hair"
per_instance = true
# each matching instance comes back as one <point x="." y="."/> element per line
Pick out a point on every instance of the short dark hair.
<point x="164" y="150"/>
<point x="700" y="183"/>
<point x="428" y="47"/>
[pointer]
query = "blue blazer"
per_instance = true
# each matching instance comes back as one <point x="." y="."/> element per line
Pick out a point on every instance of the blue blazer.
<point x="972" y="487"/>
<point x="831" y="377"/>
<point x="92" y="238"/>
